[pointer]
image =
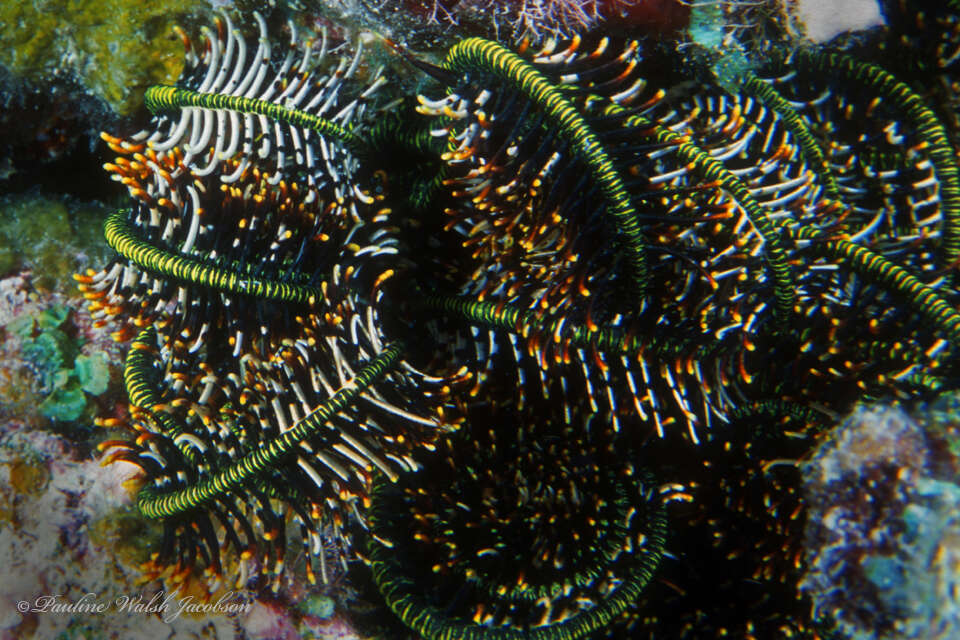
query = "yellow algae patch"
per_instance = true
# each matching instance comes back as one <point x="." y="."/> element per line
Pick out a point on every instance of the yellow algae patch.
<point x="116" y="48"/>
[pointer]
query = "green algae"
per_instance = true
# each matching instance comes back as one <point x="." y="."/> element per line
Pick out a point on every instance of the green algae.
<point x="317" y="605"/>
<point x="65" y="376"/>
<point x="92" y="372"/>
<point x="42" y="343"/>
<point x="130" y="536"/>
<point x="729" y="61"/>
<point x="116" y="48"/>
<point x="29" y="476"/>
<point x="66" y="402"/>
<point x="8" y="258"/>
<point x="52" y="237"/>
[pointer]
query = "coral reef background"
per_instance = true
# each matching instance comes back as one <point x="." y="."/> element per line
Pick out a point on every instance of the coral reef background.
<point x="67" y="524"/>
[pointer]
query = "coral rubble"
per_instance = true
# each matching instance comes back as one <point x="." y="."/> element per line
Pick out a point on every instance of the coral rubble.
<point x="883" y="535"/>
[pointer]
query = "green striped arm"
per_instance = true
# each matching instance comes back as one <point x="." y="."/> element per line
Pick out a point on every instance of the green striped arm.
<point x="929" y="129"/>
<point x="795" y="125"/>
<point x="160" y="98"/>
<point x="873" y="265"/>
<point x="404" y="597"/>
<point x="123" y="239"/>
<point x="249" y="469"/>
<point x="477" y="53"/>
<point x="712" y="169"/>
<point x="140" y="389"/>
<point x="607" y="339"/>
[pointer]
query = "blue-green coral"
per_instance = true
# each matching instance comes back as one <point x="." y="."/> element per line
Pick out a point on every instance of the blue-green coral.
<point x="66" y="377"/>
<point x="884" y="532"/>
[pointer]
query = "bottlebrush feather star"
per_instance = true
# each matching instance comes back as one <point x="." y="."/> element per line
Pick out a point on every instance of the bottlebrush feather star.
<point x="518" y="318"/>
<point x="257" y="263"/>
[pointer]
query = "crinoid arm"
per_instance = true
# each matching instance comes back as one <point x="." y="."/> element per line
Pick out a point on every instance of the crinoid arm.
<point x="572" y="531"/>
<point x="252" y="267"/>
